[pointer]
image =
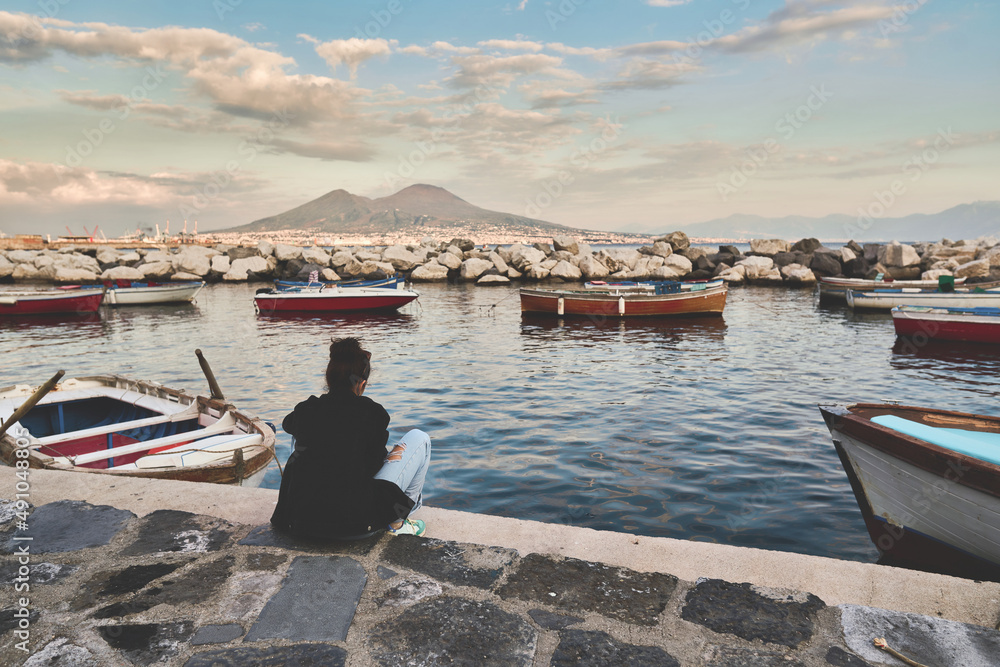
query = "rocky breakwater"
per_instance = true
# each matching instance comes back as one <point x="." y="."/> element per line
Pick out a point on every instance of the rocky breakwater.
<point x="775" y="261"/>
<point x="671" y="257"/>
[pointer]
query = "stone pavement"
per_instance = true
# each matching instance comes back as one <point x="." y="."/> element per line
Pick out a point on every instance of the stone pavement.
<point x="108" y="587"/>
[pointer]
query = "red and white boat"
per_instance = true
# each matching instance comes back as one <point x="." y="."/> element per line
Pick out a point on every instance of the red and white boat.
<point x="331" y="300"/>
<point x="667" y="300"/>
<point x="927" y="482"/>
<point x="832" y="288"/>
<point x="52" y="302"/>
<point x="969" y="325"/>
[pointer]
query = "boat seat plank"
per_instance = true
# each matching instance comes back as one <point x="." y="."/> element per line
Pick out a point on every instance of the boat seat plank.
<point x="225" y="424"/>
<point x="977" y="444"/>
<point x="184" y="456"/>
<point x="191" y="413"/>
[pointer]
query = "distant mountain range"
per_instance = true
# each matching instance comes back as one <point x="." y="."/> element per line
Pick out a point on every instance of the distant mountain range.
<point x="415" y="207"/>
<point x="428" y="209"/>
<point x="966" y="221"/>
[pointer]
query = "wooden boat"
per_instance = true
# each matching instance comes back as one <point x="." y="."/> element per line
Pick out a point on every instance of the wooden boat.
<point x="927" y="482"/>
<point x="331" y="300"/>
<point x="143" y="293"/>
<point x="390" y="283"/>
<point x="970" y="325"/>
<point x="650" y="285"/>
<point x="50" y="302"/>
<point x="109" y="424"/>
<point x="887" y="299"/>
<point x="667" y="300"/>
<point x="835" y="288"/>
<point x="133" y="293"/>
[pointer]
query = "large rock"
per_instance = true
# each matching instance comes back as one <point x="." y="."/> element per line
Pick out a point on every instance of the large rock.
<point x="304" y="274"/>
<point x="796" y="274"/>
<point x="524" y="257"/>
<point x="992" y="256"/>
<point x="679" y="262"/>
<point x="473" y="268"/>
<point x="625" y="256"/>
<point x="897" y="254"/>
<point x="221" y="265"/>
<point x="156" y="270"/>
<point x="662" y="249"/>
<point x="265" y="248"/>
<point x="979" y="268"/>
<point x="463" y="244"/>
<point x="122" y="273"/>
<point x="341" y="258"/>
<point x="667" y="272"/>
<point x="329" y="275"/>
<point x="592" y="269"/>
<point x="129" y="259"/>
<point x="108" y="255"/>
<point x="567" y="243"/>
<point x="903" y="272"/>
<point x="755" y="267"/>
<point x="430" y="272"/>
<point x="352" y="269"/>
<point x="6" y="267"/>
<point x="679" y="241"/>
<point x="194" y="259"/>
<point x="735" y="275"/>
<point x="449" y="260"/>
<point x="243" y="269"/>
<point x="768" y="247"/>
<point x="400" y="258"/>
<point x="242" y="252"/>
<point x="825" y="264"/>
<point x="65" y="274"/>
<point x="566" y="271"/>
<point x="498" y="263"/>
<point x="316" y="255"/>
<point x="157" y="256"/>
<point x="806" y="246"/>
<point x="22" y="256"/>
<point x="537" y="273"/>
<point x="286" y="253"/>
<point x="935" y="274"/>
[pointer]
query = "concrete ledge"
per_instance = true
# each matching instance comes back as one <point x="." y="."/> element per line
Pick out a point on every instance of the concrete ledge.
<point x="834" y="581"/>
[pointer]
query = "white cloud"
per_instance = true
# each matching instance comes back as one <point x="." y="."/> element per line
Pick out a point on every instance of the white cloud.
<point x="354" y="51"/>
<point x="667" y="3"/>
<point x="499" y="71"/>
<point x="512" y="45"/>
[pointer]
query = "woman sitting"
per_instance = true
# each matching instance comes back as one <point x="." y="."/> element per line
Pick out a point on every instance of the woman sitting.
<point x="339" y="481"/>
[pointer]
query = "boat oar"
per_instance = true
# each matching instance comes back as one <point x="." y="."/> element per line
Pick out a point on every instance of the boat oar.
<point x="30" y="403"/>
<point x="207" y="370"/>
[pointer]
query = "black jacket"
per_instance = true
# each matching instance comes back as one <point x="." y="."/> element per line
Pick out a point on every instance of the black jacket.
<point x="328" y="488"/>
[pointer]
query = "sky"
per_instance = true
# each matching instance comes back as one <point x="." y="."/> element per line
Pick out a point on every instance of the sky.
<point x="617" y="115"/>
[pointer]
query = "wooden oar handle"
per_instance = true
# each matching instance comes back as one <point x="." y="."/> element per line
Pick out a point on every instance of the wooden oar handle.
<point x="30" y="403"/>
<point x="207" y="370"/>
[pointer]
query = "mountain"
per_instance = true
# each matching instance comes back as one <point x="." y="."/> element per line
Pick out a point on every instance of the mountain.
<point x="966" y="221"/>
<point x="412" y="208"/>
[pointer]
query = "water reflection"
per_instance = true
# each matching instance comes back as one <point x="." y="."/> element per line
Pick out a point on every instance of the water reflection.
<point x="948" y="357"/>
<point x="712" y="329"/>
<point x="45" y="327"/>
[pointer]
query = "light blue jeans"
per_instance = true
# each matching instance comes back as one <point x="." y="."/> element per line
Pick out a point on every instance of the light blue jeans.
<point x="406" y="465"/>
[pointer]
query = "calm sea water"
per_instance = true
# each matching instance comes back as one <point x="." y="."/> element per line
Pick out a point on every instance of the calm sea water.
<point x="703" y="429"/>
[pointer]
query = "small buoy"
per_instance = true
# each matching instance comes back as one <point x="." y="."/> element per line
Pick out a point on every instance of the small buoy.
<point x="621" y="305"/>
<point x="561" y="306"/>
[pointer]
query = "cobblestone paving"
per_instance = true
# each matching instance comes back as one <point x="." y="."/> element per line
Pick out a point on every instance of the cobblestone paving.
<point x="173" y="588"/>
